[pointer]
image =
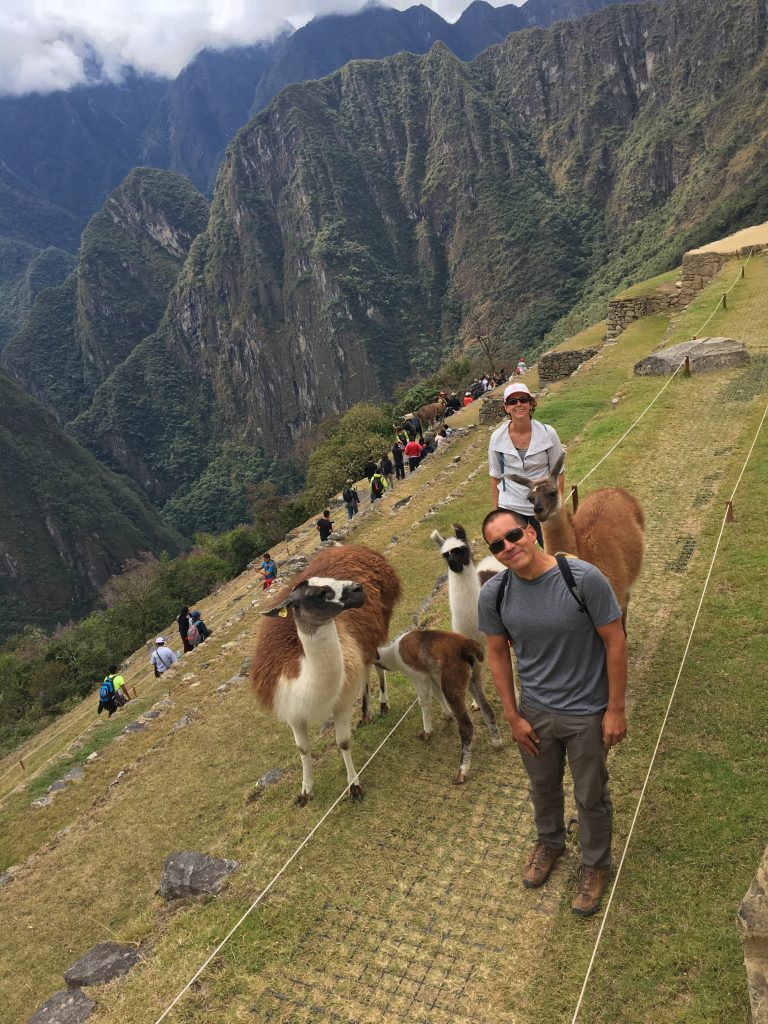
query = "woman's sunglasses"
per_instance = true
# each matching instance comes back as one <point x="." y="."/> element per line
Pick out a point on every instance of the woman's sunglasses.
<point x="513" y="536"/>
<point x="522" y="399"/>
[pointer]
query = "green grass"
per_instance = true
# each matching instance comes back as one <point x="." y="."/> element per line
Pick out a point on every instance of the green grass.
<point x="650" y="286"/>
<point x="408" y="907"/>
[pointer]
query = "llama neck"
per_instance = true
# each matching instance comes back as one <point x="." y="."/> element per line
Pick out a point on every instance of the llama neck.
<point x="323" y="663"/>
<point x="558" y="532"/>
<point x="463" y="592"/>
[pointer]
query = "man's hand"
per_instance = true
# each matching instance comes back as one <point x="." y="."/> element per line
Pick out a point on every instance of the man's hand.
<point x="524" y="735"/>
<point x="614" y="728"/>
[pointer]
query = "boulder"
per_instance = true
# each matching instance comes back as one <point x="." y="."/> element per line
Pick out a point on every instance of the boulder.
<point x="705" y="356"/>
<point x="103" y="963"/>
<point x="69" y="1007"/>
<point x="193" y="874"/>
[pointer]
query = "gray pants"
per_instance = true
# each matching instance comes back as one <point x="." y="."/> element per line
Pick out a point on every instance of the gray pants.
<point x="580" y="737"/>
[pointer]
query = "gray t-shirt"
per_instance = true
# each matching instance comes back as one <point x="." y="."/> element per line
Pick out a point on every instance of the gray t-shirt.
<point x="560" y="655"/>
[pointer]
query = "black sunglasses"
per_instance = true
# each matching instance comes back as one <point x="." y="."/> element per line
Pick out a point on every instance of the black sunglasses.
<point x="513" y="536"/>
<point x="523" y="399"/>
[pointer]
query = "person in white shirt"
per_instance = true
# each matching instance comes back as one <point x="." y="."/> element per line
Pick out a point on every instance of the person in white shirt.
<point x="521" y="445"/>
<point x="162" y="657"/>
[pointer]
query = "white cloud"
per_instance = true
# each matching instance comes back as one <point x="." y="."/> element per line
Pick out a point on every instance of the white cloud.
<point x="45" y="44"/>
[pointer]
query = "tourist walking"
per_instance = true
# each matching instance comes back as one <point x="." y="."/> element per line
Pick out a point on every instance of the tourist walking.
<point x="351" y="498"/>
<point x="398" y="449"/>
<point x="268" y="569"/>
<point x="183" y="621"/>
<point x="324" y="524"/>
<point x="386" y="468"/>
<point x="378" y="486"/>
<point x="564" y="623"/>
<point x="162" y="657"/>
<point x="413" y="454"/>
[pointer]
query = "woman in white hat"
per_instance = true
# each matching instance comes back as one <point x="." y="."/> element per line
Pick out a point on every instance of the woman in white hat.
<point x="521" y="445"/>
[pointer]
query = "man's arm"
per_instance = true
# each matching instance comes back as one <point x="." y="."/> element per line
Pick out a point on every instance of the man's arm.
<point x="615" y="718"/>
<point x="500" y="664"/>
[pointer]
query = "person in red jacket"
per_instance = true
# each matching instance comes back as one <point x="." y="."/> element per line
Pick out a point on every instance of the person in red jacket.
<point x="467" y="399"/>
<point x="413" y="452"/>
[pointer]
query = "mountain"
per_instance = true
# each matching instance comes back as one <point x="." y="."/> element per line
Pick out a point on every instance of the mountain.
<point x="130" y="255"/>
<point x="66" y="522"/>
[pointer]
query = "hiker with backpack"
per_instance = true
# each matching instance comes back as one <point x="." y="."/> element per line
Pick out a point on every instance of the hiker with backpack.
<point x="121" y="692"/>
<point x="183" y="622"/>
<point x="563" y="620"/>
<point x="268" y="569"/>
<point x="162" y="657"/>
<point x="351" y="498"/>
<point x="196" y="623"/>
<point x="386" y="468"/>
<point x="378" y="486"/>
<point x="107" y="699"/>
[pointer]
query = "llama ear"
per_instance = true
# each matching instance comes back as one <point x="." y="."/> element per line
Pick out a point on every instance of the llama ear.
<point x="280" y="610"/>
<point x="435" y="536"/>
<point x="522" y="480"/>
<point x="557" y="468"/>
<point x="461" y="533"/>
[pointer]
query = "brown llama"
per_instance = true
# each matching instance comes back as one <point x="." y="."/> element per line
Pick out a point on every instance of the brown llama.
<point x="606" y="530"/>
<point x="431" y="412"/>
<point x="311" y="661"/>
<point x="441" y="665"/>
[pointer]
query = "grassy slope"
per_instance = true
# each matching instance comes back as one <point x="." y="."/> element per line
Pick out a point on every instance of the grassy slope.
<point x="408" y="907"/>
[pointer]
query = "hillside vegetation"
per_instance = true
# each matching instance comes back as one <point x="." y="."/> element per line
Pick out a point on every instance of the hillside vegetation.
<point x="408" y="907"/>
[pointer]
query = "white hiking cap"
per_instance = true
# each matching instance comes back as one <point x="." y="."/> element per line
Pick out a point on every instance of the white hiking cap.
<point x="517" y="387"/>
<point x="160" y="640"/>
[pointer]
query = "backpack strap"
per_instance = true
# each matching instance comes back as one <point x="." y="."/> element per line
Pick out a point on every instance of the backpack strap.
<point x="565" y="570"/>
<point x="500" y="596"/>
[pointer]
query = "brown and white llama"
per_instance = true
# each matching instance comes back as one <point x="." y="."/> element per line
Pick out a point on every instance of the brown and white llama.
<point x="464" y="582"/>
<point x="440" y="664"/>
<point x="317" y="645"/>
<point x="606" y="530"/>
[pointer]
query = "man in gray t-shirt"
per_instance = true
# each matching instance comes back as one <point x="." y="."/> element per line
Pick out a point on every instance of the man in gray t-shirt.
<point x="573" y="671"/>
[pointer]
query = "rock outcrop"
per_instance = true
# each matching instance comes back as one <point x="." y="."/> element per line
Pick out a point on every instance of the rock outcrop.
<point x="704" y="356"/>
<point x="193" y="874"/>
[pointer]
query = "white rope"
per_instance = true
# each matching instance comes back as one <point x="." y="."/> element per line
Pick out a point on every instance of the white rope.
<point x="661" y="731"/>
<point x="629" y="429"/>
<point x="738" y="278"/>
<point x="290" y="860"/>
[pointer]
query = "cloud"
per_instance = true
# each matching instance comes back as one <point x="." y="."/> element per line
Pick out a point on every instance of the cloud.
<point x="48" y="45"/>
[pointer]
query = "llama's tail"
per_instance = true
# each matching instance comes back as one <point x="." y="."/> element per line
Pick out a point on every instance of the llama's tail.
<point x="471" y="651"/>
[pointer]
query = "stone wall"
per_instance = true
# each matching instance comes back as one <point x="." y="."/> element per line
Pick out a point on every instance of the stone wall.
<point x="623" y="312"/>
<point x="491" y="410"/>
<point x="558" y="365"/>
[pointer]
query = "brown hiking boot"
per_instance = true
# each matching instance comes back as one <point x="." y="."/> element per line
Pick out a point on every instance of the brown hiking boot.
<point x="592" y="883"/>
<point x="539" y="864"/>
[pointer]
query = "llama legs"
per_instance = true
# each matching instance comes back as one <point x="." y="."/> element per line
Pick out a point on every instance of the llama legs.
<point x="466" y="732"/>
<point x="476" y="689"/>
<point x="301" y="735"/>
<point x="423" y="687"/>
<point x="365" y="715"/>
<point x="342" y="720"/>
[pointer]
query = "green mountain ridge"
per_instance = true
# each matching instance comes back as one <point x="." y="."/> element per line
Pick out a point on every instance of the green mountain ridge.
<point x="68" y="523"/>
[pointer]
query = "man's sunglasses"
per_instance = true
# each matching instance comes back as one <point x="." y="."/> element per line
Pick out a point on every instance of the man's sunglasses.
<point x="513" y="536"/>
<point x="523" y="399"/>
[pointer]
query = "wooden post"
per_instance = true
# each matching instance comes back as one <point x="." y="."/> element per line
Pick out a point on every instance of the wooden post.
<point x="729" y="516"/>
<point x="575" y="497"/>
<point x="22" y="765"/>
<point x="687" y="367"/>
<point x="725" y="301"/>
<point x="742" y="271"/>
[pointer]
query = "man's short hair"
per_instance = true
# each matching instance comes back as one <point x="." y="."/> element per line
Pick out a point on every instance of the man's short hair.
<point x="326" y="512"/>
<point x="265" y="555"/>
<point x="519" y="518"/>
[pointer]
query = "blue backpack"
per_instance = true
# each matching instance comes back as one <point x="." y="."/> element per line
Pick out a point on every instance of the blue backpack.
<point x="106" y="691"/>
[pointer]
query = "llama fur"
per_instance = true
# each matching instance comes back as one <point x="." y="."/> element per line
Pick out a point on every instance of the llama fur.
<point x="440" y="664"/>
<point x="317" y="644"/>
<point x="607" y="530"/>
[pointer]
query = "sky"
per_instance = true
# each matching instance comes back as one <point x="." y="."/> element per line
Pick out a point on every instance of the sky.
<point x="46" y="45"/>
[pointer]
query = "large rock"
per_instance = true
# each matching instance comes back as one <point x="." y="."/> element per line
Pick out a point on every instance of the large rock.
<point x="705" y="356"/>
<point x="192" y="874"/>
<point x="103" y="963"/>
<point x="69" y="1007"/>
<point x="753" y="925"/>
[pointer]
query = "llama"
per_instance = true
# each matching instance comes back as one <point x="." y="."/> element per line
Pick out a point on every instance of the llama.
<point x="607" y="530"/>
<point x="441" y="665"/>
<point x="464" y="582"/>
<point x="430" y="413"/>
<point x="310" y="665"/>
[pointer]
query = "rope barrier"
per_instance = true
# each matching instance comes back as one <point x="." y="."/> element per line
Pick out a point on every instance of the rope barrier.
<point x="282" y="870"/>
<point x="663" y="726"/>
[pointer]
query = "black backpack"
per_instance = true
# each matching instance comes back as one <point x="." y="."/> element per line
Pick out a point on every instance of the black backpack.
<point x="347" y="495"/>
<point x="377" y="485"/>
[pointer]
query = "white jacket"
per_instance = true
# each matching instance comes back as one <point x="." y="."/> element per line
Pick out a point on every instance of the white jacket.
<point x="503" y="458"/>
